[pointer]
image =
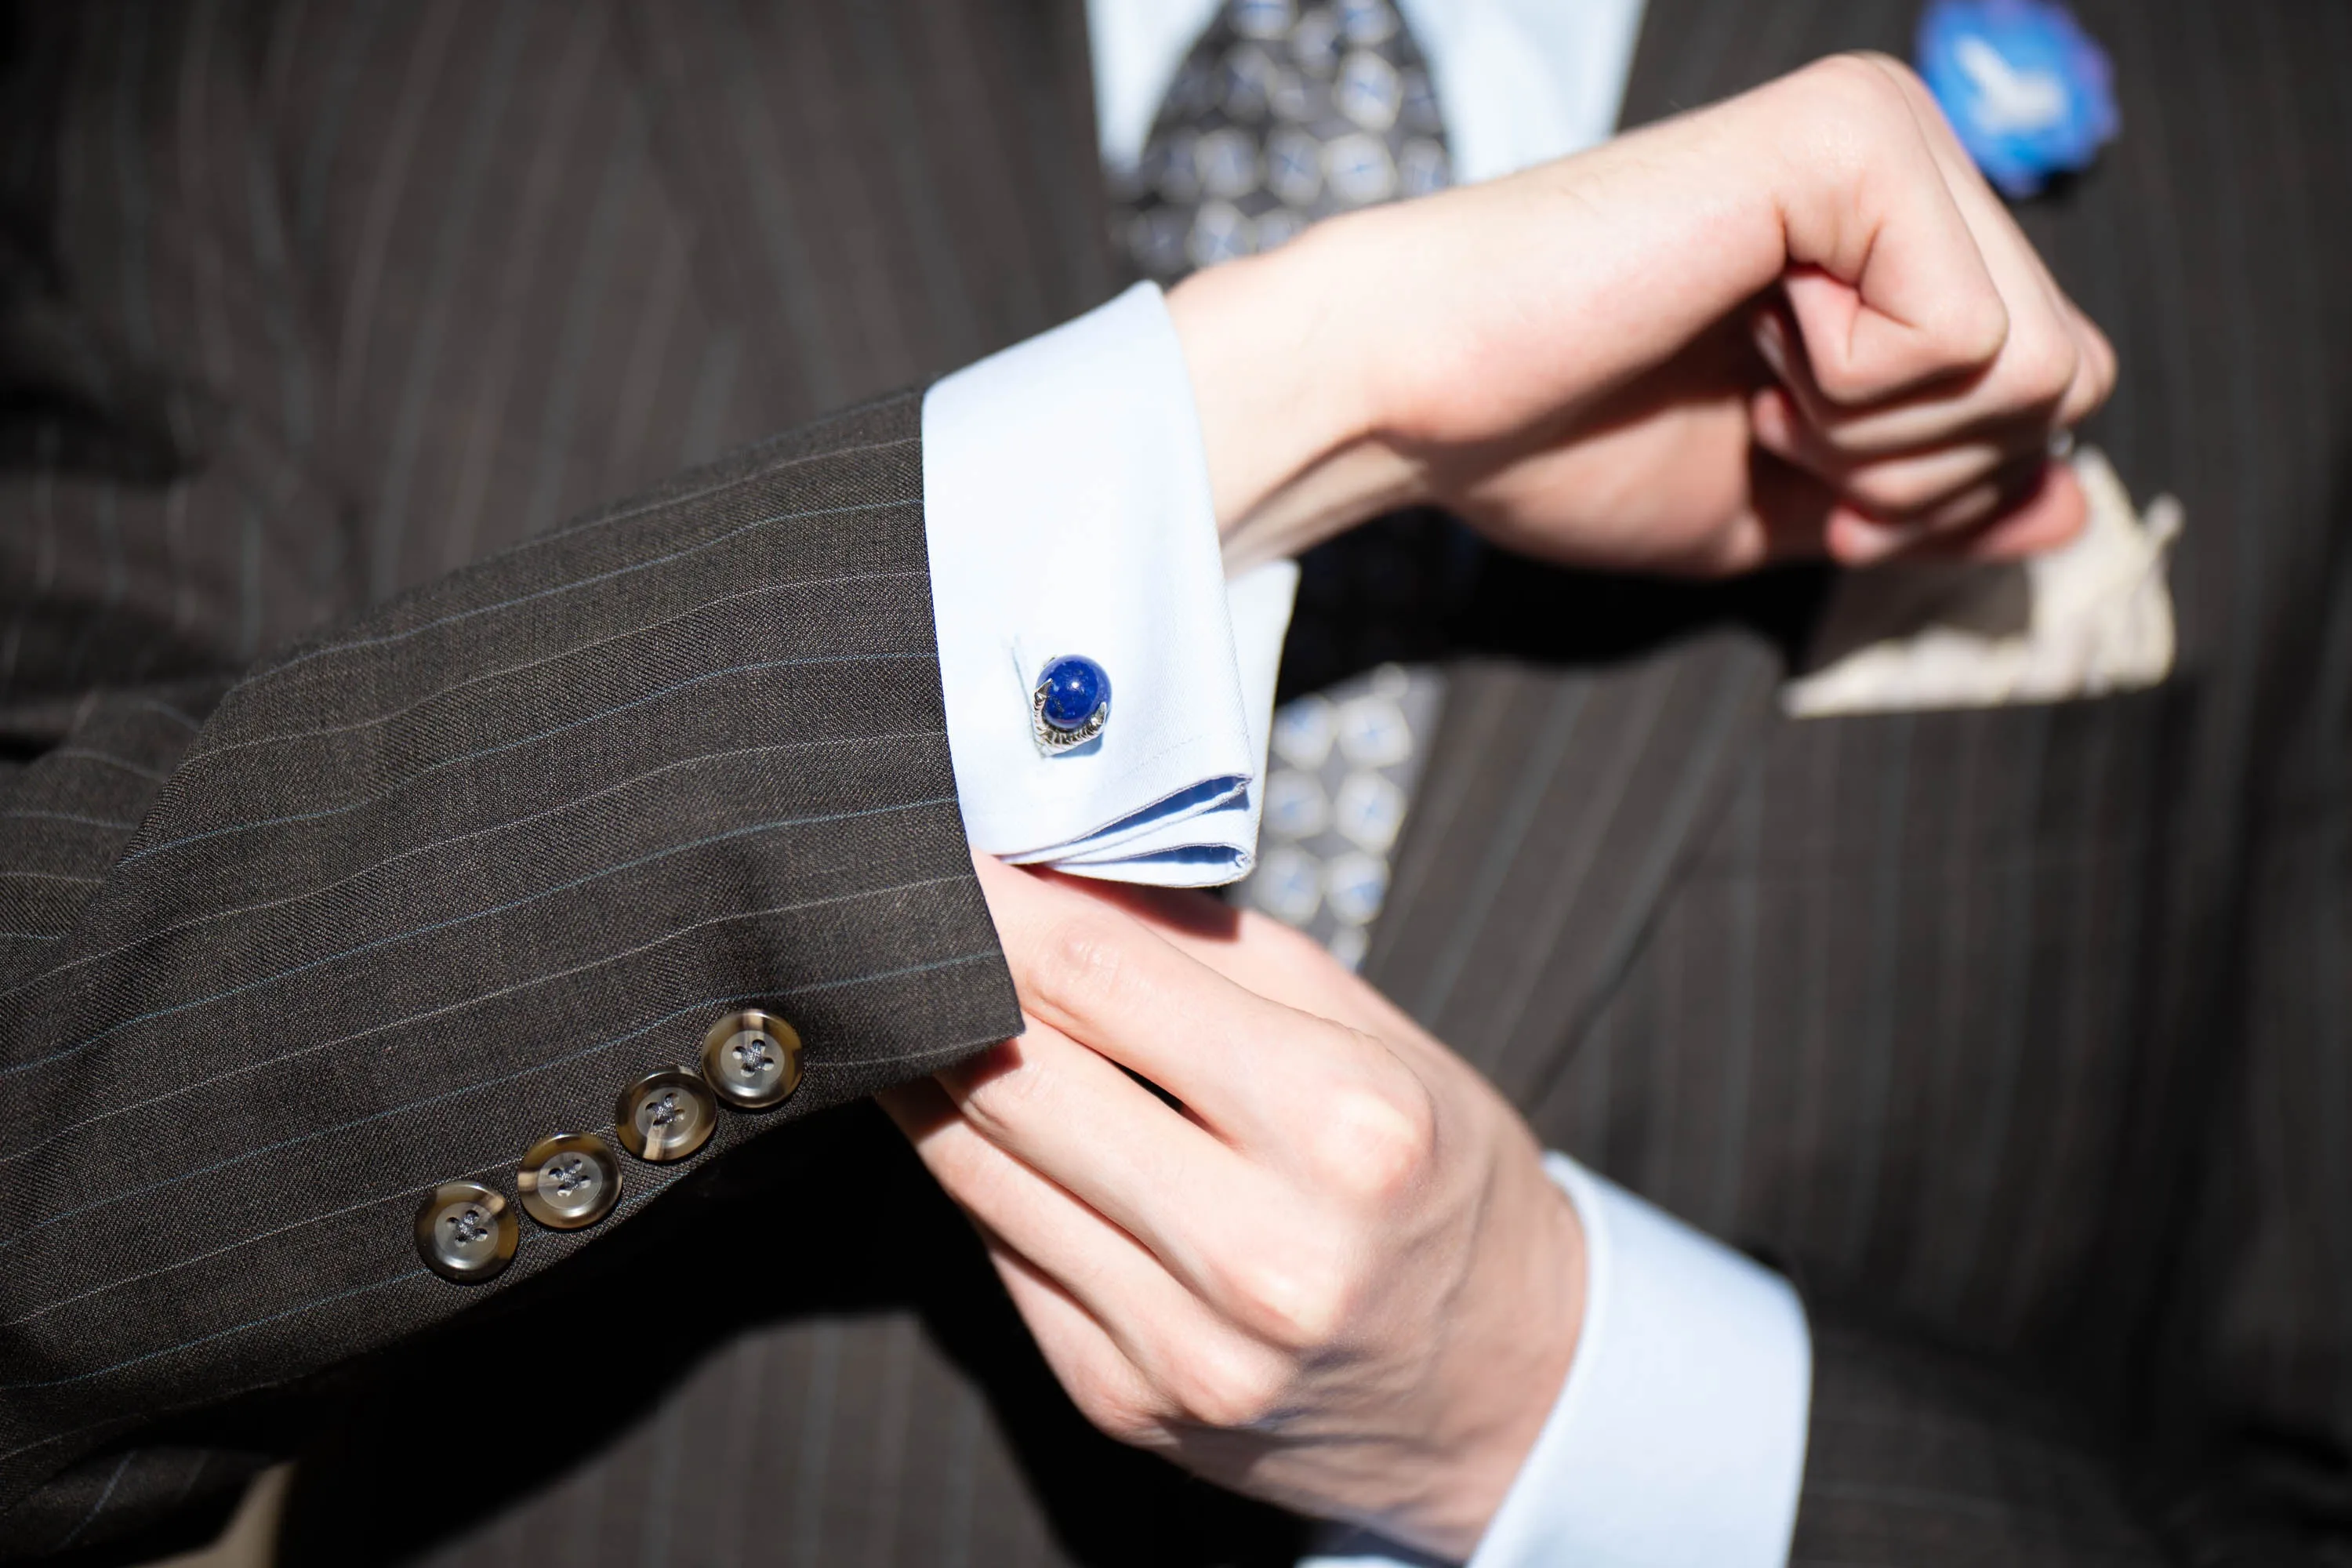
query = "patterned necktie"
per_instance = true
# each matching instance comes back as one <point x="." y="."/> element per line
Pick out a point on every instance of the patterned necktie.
<point x="1281" y="114"/>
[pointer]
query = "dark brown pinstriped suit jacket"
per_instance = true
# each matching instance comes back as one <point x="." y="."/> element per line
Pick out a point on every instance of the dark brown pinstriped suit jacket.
<point x="381" y="794"/>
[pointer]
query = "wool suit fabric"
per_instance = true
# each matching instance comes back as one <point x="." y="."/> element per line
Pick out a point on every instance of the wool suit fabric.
<point x="384" y="792"/>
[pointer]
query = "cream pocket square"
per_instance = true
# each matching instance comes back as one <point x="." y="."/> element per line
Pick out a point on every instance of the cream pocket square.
<point x="2092" y="618"/>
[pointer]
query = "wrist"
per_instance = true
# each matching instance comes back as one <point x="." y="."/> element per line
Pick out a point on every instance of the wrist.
<point x="1533" y="1311"/>
<point x="1285" y="382"/>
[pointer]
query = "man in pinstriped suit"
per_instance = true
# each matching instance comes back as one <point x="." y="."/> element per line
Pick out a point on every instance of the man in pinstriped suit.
<point x="2024" y="1255"/>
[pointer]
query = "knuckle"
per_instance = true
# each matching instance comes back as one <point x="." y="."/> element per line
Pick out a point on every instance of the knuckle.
<point x="1007" y="1092"/>
<point x="1976" y="327"/>
<point x="2041" y="367"/>
<point x="2104" y="353"/>
<point x="1300" y="1302"/>
<point x="2103" y="382"/>
<point x="1231" y="1387"/>
<point x="1078" y="966"/>
<point x="1859" y="92"/>
<point x="1861" y="75"/>
<point x="1841" y="383"/>
<point x="2092" y="390"/>
<point x="1119" y="1414"/>
<point x="1376" y="1141"/>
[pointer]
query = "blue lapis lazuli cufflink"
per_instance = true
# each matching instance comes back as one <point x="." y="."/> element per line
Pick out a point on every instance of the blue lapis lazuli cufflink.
<point x="1071" y="703"/>
<point x="2029" y="94"/>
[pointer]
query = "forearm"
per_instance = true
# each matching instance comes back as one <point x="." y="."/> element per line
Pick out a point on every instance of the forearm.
<point x="1587" y="359"/>
<point x="1332" y="376"/>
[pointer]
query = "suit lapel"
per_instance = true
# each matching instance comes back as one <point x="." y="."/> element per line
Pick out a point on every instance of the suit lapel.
<point x="1682" y="56"/>
<point x="1558" y="806"/>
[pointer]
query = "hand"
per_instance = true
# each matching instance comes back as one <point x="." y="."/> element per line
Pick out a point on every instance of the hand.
<point x="1337" y="1278"/>
<point x="1796" y="322"/>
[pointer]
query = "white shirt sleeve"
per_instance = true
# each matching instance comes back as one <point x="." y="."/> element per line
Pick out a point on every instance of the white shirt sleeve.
<point x="1067" y="506"/>
<point x="1679" y="1438"/>
<point x="1066" y="500"/>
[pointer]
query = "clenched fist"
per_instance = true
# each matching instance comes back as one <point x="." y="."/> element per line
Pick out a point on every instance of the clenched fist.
<point x="1796" y="322"/>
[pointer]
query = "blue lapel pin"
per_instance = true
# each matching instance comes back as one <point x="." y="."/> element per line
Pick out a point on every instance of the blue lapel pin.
<point x="2030" y="93"/>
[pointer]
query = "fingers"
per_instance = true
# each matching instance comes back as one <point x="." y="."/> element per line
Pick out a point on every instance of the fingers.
<point x="1104" y="1291"/>
<point x="2094" y="376"/>
<point x="1088" y="967"/>
<point x="1136" y="1345"/>
<point x="1921" y="497"/>
<point x="2003" y="520"/>
<point x="1805" y="518"/>
<point x="2054" y="371"/>
<point x="1070" y="1116"/>
<point x="1101" y="1378"/>
<point x="1952" y="462"/>
<point x="1290" y="1091"/>
<point x="1887" y="284"/>
<point x="1291" y="1109"/>
<point x="1895" y="480"/>
<point x="1262" y="955"/>
<point x="1236" y="1060"/>
<point x="2045" y="514"/>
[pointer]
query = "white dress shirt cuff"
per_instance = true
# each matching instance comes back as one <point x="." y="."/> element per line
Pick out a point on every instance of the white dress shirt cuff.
<point x="1066" y="507"/>
<point x="1679" y="1438"/>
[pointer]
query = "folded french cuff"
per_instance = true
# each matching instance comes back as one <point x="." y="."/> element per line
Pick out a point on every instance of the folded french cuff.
<point x="1679" y="1437"/>
<point x="1066" y="511"/>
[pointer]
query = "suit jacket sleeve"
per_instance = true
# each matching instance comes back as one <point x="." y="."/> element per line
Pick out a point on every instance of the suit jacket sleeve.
<point x="281" y="949"/>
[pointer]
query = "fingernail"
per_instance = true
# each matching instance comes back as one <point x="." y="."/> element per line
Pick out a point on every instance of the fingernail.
<point x="1772" y="340"/>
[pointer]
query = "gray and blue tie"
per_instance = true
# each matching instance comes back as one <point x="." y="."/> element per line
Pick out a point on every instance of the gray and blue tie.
<point x="1283" y="113"/>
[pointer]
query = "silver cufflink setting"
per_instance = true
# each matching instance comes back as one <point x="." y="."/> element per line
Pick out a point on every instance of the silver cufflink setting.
<point x="466" y="1231"/>
<point x="1070" y="703"/>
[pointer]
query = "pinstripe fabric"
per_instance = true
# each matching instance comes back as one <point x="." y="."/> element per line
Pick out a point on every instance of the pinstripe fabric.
<point x="1586" y="789"/>
<point x="844" y="1383"/>
<point x="2018" y="1036"/>
<point x="302" y="307"/>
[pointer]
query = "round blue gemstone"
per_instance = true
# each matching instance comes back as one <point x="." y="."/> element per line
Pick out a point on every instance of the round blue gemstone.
<point x="1076" y="687"/>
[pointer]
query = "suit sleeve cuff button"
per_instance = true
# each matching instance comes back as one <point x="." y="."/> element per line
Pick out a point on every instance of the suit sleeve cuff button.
<point x="751" y="1061"/>
<point x="466" y="1232"/>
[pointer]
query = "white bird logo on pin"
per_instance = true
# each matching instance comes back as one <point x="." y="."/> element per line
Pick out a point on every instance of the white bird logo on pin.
<point x="2009" y="100"/>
